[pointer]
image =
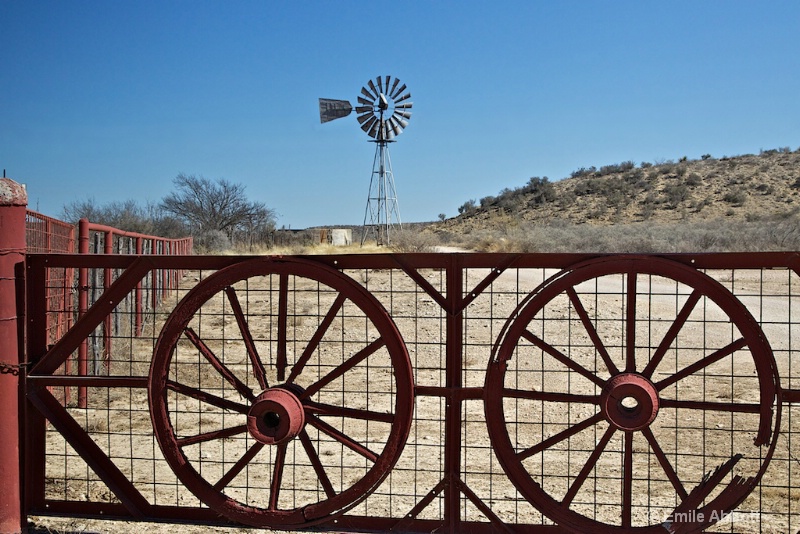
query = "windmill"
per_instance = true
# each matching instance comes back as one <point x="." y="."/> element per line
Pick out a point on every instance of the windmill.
<point x="383" y="113"/>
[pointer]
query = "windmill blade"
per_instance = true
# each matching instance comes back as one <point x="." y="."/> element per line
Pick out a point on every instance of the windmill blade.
<point x="368" y="94"/>
<point x="364" y="109"/>
<point x="403" y="113"/>
<point x="386" y="82"/>
<point x="333" y="109"/>
<point x="364" y="102"/>
<point x="365" y="117"/>
<point x="369" y="124"/>
<point x="380" y="84"/>
<point x="395" y="126"/>
<point x="404" y="105"/>
<point x="396" y="81"/>
<point x="388" y="132"/>
<point x="374" y="90"/>
<point x="402" y="98"/>
<point x="400" y="119"/>
<point x="400" y="90"/>
<point x="373" y="132"/>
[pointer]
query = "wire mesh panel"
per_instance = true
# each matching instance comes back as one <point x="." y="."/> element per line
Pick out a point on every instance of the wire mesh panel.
<point x="433" y="392"/>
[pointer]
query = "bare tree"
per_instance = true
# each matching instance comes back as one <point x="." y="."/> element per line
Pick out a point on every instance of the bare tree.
<point x="217" y="206"/>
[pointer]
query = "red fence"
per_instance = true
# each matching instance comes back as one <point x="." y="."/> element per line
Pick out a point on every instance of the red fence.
<point x="101" y="239"/>
<point x="48" y="235"/>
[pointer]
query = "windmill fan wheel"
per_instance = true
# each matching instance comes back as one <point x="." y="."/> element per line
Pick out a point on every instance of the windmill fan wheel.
<point x="384" y="108"/>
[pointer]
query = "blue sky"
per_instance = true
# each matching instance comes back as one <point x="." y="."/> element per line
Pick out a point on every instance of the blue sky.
<point x="111" y="100"/>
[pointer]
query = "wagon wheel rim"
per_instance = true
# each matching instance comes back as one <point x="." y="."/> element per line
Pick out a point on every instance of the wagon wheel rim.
<point x="284" y="409"/>
<point x="631" y="396"/>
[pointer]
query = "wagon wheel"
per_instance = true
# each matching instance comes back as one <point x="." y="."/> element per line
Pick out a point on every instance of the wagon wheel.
<point x="281" y="392"/>
<point x="632" y="394"/>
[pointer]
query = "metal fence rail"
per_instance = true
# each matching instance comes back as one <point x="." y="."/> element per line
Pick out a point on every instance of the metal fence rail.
<point x="447" y="392"/>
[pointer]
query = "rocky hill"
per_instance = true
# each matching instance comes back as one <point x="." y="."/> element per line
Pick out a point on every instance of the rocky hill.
<point x="747" y="187"/>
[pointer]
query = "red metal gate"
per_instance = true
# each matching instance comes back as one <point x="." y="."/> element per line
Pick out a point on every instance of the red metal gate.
<point x="422" y="392"/>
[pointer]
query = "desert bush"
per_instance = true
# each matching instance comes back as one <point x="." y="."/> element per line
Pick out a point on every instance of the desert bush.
<point x="583" y="171"/>
<point x="693" y="180"/>
<point x="737" y="197"/>
<point x="540" y="191"/>
<point x="467" y="207"/>
<point x="413" y="240"/>
<point x="212" y="241"/>
<point x="676" y="193"/>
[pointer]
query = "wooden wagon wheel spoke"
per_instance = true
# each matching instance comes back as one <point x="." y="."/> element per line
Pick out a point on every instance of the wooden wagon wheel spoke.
<point x="277" y="477"/>
<point x="340" y="370"/>
<point x="672" y="333"/>
<point x="591" y="330"/>
<point x="317" y="408"/>
<point x="716" y="356"/>
<point x="204" y="396"/>
<point x="627" y="289"/>
<point x="237" y="468"/>
<point x="221" y="368"/>
<point x="319" y="469"/>
<point x="343" y="438"/>
<point x="210" y="436"/>
<point x="247" y="336"/>
<point x="666" y="465"/>
<point x="316" y="338"/>
<point x="558" y="438"/>
<point x="283" y="479"/>
<point x="563" y="358"/>
<point x="550" y="396"/>
<point x="630" y="323"/>
<point x="588" y="467"/>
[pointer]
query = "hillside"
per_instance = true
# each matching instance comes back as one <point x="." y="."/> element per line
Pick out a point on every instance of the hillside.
<point x="747" y="202"/>
<point x="746" y="187"/>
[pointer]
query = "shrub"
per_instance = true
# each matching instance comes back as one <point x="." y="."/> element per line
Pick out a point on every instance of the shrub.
<point x="212" y="241"/>
<point x="583" y="171"/>
<point x="737" y="197"/>
<point x="467" y="207"/>
<point x="540" y="191"/>
<point x="411" y="240"/>
<point x="676" y="193"/>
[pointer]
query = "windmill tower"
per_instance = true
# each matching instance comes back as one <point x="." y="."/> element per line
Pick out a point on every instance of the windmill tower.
<point x="383" y="112"/>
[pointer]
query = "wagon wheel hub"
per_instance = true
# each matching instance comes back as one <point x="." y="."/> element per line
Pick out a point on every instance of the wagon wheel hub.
<point x="276" y="416"/>
<point x="629" y="401"/>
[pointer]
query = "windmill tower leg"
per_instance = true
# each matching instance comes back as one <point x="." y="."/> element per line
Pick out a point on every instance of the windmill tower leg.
<point x="382" y="214"/>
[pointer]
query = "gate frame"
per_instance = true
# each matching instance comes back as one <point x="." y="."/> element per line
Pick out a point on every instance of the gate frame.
<point x="454" y="299"/>
<point x="13" y="210"/>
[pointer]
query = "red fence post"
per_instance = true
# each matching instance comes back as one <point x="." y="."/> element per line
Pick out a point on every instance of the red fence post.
<point x="138" y="298"/>
<point x="13" y="204"/>
<point x="83" y="305"/>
